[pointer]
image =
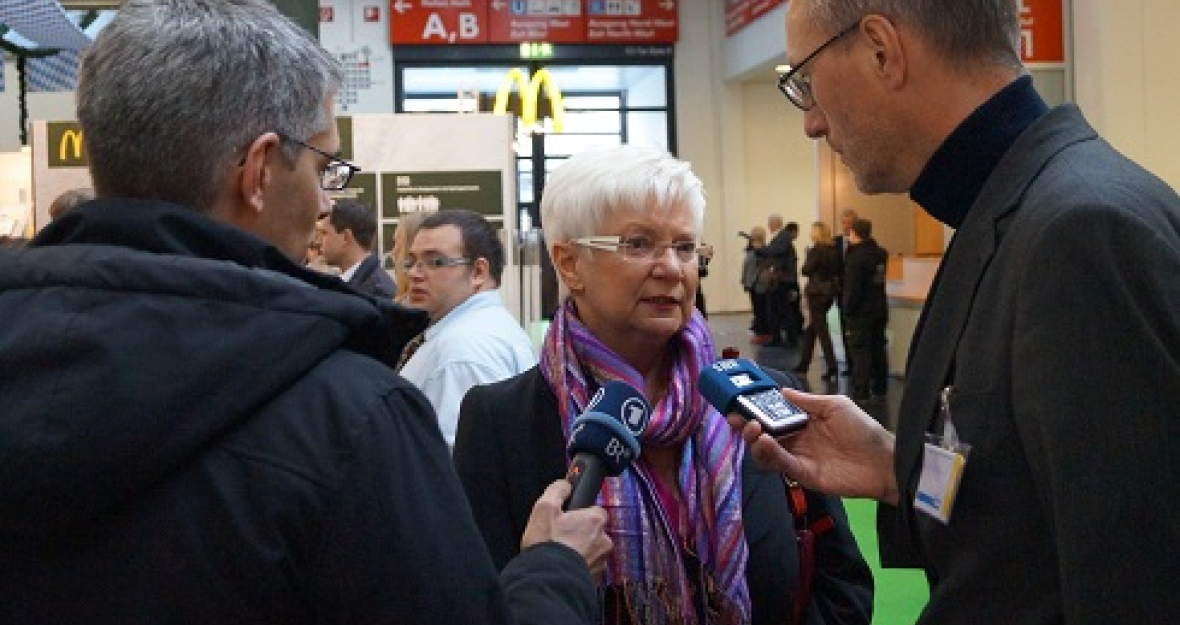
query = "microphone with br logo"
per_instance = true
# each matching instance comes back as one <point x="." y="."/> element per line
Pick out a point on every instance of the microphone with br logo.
<point x="604" y="440"/>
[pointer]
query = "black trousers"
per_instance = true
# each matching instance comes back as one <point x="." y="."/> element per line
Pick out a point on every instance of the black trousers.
<point x="817" y="328"/>
<point x="759" y="324"/>
<point x="784" y="315"/>
<point x="866" y="344"/>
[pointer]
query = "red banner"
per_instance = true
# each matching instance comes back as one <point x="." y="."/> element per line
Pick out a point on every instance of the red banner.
<point x="432" y="22"/>
<point x="631" y="21"/>
<point x="457" y="22"/>
<point x="740" y="13"/>
<point x="1042" y="31"/>
<point x="553" y="21"/>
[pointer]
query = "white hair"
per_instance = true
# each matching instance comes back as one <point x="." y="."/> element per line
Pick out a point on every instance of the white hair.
<point x="593" y="184"/>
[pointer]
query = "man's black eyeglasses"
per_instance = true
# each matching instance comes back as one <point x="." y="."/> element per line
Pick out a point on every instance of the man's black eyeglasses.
<point x="336" y="174"/>
<point x="797" y="86"/>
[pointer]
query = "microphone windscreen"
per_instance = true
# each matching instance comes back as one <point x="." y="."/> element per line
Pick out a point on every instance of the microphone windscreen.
<point x="622" y="402"/>
<point x="604" y="438"/>
<point x="721" y="382"/>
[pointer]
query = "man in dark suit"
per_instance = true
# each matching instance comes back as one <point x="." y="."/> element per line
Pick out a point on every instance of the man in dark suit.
<point x="1050" y="340"/>
<point x="866" y="312"/>
<point x="783" y="312"/>
<point x="349" y="231"/>
<point x="847" y="216"/>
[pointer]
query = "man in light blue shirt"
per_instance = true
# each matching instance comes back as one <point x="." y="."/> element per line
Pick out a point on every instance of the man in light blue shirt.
<point x="454" y="265"/>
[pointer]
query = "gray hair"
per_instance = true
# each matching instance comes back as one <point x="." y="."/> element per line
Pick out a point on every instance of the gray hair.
<point x="593" y="184"/>
<point x="173" y="91"/>
<point x="966" y="32"/>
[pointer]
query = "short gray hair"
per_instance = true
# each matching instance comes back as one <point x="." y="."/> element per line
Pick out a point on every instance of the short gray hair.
<point x="592" y="184"/>
<point x="965" y="32"/>
<point x="173" y="91"/>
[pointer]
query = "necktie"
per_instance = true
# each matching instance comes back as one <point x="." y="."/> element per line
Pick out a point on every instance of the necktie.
<point x="409" y="349"/>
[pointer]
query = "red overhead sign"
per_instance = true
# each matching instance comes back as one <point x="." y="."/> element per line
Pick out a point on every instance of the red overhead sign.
<point x="554" y="21"/>
<point x="740" y="13"/>
<point x="432" y="22"/>
<point x="1042" y="31"/>
<point x="631" y="21"/>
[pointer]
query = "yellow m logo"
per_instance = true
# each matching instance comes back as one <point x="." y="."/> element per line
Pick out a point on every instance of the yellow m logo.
<point x="70" y="138"/>
<point x="530" y="95"/>
<point x="64" y="145"/>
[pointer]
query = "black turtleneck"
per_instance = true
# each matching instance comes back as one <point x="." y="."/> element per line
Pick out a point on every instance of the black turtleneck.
<point x="956" y="173"/>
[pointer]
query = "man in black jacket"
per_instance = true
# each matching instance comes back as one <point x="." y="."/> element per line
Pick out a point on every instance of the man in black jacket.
<point x="197" y="429"/>
<point x="783" y="311"/>
<point x="349" y="231"/>
<point x="866" y="311"/>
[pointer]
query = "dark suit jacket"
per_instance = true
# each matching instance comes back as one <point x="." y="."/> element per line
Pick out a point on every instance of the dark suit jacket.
<point x="509" y="448"/>
<point x="371" y="279"/>
<point x="1056" y="318"/>
<point x="781" y="253"/>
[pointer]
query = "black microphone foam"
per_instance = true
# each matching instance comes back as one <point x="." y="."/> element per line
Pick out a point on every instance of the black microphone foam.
<point x="604" y="440"/>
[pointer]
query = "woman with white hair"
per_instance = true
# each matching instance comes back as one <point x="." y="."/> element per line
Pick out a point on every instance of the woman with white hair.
<point x="701" y="534"/>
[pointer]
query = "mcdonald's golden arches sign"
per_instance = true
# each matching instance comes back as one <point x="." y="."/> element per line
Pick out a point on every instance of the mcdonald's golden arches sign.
<point x="66" y="148"/>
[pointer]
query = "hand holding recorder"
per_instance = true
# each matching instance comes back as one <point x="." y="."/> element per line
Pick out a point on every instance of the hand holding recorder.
<point x="738" y="385"/>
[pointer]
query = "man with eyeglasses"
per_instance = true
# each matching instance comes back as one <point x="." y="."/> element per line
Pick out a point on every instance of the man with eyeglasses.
<point x="195" y="428"/>
<point x="1034" y="464"/>
<point x="455" y="264"/>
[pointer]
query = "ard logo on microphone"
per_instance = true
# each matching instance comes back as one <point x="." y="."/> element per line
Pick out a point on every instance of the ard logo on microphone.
<point x="634" y="414"/>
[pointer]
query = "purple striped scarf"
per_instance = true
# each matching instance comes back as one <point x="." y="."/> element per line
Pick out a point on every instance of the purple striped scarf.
<point x="646" y="568"/>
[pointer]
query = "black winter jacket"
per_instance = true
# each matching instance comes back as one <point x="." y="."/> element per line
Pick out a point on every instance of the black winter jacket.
<point x="194" y="429"/>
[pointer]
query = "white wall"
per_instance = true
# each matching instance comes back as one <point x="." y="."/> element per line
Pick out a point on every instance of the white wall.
<point x="1125" y="77"/>
<point x="757" y="47"/>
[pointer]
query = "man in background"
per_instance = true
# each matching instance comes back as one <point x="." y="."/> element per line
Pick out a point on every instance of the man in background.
<point x="454" y="265"/>
<point x="866" y="311"/>
<point x="347" y="243"/>
<point x="783" y="310"/>
<point x="847" y="216"/>
<point x="197" y="429"/>
<point x="68" y="200"/>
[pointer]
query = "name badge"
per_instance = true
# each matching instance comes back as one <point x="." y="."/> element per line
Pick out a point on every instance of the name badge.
<point x="943" y="461"/>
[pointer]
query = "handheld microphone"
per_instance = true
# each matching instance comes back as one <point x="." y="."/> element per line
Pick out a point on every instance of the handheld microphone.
<point x="604" y="440"/>
<point x="738" y="385"/>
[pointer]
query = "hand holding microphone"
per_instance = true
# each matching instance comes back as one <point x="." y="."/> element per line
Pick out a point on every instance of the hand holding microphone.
<point x="603" y="442"/>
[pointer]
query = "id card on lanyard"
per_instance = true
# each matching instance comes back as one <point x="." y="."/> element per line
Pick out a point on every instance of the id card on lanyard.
<point x="943" y="460"/>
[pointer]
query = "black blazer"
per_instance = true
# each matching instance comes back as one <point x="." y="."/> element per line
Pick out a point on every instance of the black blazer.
<point x="509" y="448"/>
<point x="371" y="279"/>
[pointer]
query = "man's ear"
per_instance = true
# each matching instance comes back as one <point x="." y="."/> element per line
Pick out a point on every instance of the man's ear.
<point x="481" y="273"/>
<point x="255" y="176"/>
<point x="565" y="257"/>
<point x="888" y="48"/>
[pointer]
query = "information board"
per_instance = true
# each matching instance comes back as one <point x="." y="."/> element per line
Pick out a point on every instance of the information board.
<point x="433" y="22"/>
<point x="459" y="22"/>
<point x="1042" y="32"/>
<point x="554" y="21"/>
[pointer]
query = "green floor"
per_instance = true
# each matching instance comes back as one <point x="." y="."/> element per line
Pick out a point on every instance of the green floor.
<point x="901" y="593"/>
